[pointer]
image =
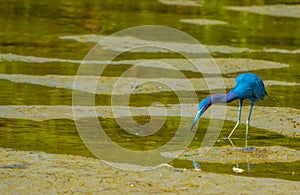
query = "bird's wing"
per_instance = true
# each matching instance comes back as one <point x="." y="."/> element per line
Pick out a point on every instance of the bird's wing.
<point x="250" y="86"/>
<point x="259" y="89"/>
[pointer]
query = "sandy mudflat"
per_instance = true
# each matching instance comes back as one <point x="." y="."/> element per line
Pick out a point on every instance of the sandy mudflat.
<point x="27" y="172"/>
<point x="282" y="120"/>
<point x="130" y="85"/>
<point x="202" y="22"/>
<point x="210" y="66"/>
<point x="279" y="10"/>
<point x="227" y="154"/>
<point x="182" y="2"/>
<point x="122" y="43"/>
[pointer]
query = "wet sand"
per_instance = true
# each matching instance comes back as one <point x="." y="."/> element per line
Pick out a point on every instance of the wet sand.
<point x="197" y="3"/>
<point x="285" y="121"/>
<point x="224" y="65"/>
<point x="279" y="10"/>
<point x="37" y="172"/>
<point x="122" y="43"/>
<point x="131" y="85"/>
<point x="228" y="154"/>
<point x="202" y="22"/>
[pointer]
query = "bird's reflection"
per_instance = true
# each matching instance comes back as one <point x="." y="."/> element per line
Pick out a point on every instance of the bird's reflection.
<point x="236" y="169"/>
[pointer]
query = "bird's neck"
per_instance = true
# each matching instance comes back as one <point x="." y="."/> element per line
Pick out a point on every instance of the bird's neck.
<point x="223" y="98"/>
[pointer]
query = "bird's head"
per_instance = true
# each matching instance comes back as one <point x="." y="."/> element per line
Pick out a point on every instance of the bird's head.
<point x="203" y="105"/>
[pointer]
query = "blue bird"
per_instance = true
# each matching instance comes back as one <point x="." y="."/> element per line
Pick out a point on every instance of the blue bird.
<point x="248" y="86"/>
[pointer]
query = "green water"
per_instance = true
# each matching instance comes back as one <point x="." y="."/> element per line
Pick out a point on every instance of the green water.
<point x="33" y="28"/>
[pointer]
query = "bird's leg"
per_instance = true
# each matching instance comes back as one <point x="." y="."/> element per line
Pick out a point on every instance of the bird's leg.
<point x="238" y="119"/>
<point x="248" y="121"/>
<point x="231" y="142"/>
<point x="248" y="167"/>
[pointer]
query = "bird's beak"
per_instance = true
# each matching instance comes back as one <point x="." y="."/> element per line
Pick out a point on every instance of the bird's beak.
<point x="199" y="113"/>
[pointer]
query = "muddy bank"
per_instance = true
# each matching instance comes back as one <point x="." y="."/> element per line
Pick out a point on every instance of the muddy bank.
<point x="224" y="65"/>
<point x="279" y="10"/>
<point x="202" y="22"/>
<point x="37" y="172"/>
<point x="285" y="121"/>
<point x="197" y="3"/>
<point x="122" y="43"/>
<point x="229" y="154"/>
<point x="130" y="85"/>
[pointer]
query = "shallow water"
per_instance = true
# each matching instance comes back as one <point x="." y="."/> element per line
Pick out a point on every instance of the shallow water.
<point x="34" y="28"/>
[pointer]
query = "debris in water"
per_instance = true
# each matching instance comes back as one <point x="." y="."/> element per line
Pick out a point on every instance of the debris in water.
<point x="237" y="170"/>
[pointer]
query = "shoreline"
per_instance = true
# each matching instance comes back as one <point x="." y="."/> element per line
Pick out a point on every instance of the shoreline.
<point x="27" y="172"/>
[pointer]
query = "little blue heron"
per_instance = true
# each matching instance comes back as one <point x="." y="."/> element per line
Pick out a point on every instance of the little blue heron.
<point x="248" y="86"/>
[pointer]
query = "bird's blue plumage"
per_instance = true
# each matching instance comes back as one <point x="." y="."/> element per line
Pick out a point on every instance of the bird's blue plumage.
<point x="248" y="86"/>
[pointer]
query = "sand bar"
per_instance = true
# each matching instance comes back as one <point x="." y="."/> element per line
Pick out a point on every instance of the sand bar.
<point x="123" y="43"/>
<point x="279" y="10"/>
<point x="227" y="154"/>
<point x="130" y="85"/>
<point x="216" y="65"/>
<point x="43" y="173"/>
<point x="203" y="22"/>
<point x="196" y="3"/>
<point x="285" y="121"/>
